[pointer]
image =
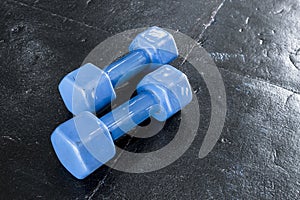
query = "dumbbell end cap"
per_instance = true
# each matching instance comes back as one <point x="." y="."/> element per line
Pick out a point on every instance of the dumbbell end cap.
<point x="87" y="88"/>
<point x="83" y="144"/>
<point x="170" y="87"/>
<point x="158" y="43"/>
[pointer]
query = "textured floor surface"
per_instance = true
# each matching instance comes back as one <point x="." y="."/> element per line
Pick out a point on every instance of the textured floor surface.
<point x="256" y="46"/>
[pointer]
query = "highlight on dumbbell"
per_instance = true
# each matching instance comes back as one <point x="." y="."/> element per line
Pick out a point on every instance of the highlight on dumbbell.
<point x="84" y="143"/>
<point x="89" y="88"/>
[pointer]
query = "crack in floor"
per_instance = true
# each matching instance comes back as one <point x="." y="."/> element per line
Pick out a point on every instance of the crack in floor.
<point x="260" y="80"/>
<point x="102" y="181"/>
<point x="57" y="15"/>
<point x="199" y="37"/>
<point x="206" y="26"/>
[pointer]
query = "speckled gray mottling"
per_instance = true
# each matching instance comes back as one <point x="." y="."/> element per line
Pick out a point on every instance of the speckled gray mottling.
<point x="256" y="47"/>
<point x="258" y="39"/>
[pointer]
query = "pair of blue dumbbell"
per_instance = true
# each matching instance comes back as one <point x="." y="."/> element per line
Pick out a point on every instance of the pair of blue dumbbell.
<point x="85" y="142"/>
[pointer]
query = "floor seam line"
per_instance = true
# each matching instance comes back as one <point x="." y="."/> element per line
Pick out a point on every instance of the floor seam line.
<point x="260" y="80"/>
<point x="57" y="15"/>
<point x="206" y="26"/>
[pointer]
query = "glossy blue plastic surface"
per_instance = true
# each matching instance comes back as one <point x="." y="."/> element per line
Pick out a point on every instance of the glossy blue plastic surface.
<point x="81" y="88"/>
<point x="85" y="142"/>
<point x="157" y="43"/>
<point x="127" y="66"/>
<point x="170" y="87"/>
<point x="128" y="115"/>
<point x="76" y="141"/>
<point x="154" y="45"/>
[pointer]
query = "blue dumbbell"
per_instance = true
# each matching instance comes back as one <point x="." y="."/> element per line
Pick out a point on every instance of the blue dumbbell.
<point x="89" y="88"/>
<point x="84" y="143"/>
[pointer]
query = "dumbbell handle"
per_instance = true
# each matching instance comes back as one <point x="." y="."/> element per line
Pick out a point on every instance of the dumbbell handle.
<point x="130" y="64"/>
<point x="125" y="117"/>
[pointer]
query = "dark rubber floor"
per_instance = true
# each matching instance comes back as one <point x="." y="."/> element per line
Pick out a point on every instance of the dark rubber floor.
<point x="256" y="46"/>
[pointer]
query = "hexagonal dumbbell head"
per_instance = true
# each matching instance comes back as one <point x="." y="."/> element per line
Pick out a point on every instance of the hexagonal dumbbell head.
<point x="86" y="89"/>
<point x="158" y="43"/>
<point x="89" y="88"/>
<point x="82" y="144"/>
<point x="171" y="89"/>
